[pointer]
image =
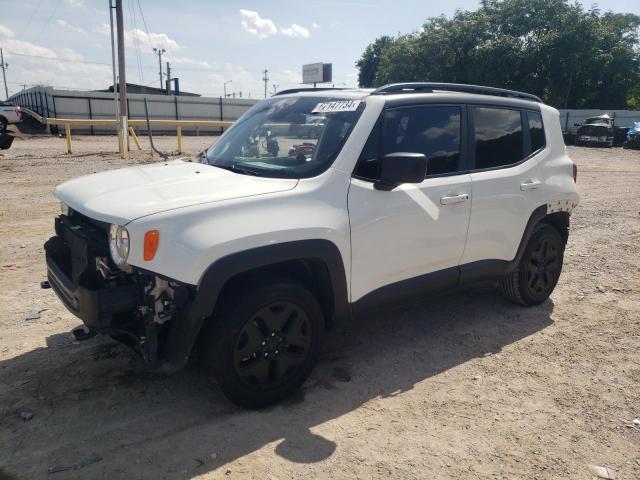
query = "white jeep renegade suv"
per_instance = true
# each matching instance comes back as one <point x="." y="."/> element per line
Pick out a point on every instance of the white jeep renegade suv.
<point x="262" y="241"/>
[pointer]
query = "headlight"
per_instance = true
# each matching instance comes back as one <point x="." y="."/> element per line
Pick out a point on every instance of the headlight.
<point x="64" y="209"/>
<point x="119" y="244"/>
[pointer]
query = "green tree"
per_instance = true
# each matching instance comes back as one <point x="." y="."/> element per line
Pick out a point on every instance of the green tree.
<point x="567" y="55"/>
<point x="368" y="63"/>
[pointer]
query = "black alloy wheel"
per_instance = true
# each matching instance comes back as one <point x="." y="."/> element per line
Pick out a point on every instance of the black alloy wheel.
<point x="542" y="270"/>
<point x="263" y="339"/>
<point x="272" y="344"/>
<point x="538" y="270"/>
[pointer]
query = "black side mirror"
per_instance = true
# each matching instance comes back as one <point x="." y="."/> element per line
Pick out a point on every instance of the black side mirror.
<point x="401" y="167"/>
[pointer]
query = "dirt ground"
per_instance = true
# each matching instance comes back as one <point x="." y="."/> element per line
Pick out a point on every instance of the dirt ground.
<point x="461" y="386"/>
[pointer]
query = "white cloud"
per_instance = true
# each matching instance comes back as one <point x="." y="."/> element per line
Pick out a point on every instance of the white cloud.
<point x="156" y="40"/>
<point x="74" y="3"/>
<point x="255" y="25"/>
<point x="6" y="32"/>
<point x="71" y="27"/>
<point x="190" y="61"/>
<point x="136" y="37"/>
<point x="295" y="30"/>
<point x="315" y="26"/>
<point x="103" y="29"/>
<point x="32" y="63"/>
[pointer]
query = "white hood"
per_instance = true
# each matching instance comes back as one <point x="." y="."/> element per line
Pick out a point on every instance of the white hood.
<point x="120" y="196"/>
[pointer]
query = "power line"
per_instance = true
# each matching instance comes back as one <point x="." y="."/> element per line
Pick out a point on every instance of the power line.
<point x="46" y="24"/>
<point x="132" y="17"/>
<point x="58" y="59"/>
<point x="26" y="25"/>
<point x="144" y="22"/>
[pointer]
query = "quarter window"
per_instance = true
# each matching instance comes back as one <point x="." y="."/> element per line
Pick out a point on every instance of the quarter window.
<point x="536" y="131"/>
<point x="498" y="137"/>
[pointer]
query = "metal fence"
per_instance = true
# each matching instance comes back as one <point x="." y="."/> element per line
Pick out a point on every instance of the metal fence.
<point x="50" y="102"/>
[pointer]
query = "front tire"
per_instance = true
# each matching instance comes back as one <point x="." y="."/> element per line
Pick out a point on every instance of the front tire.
<point x="263" y="341"/>
<point x="539" y="268"/>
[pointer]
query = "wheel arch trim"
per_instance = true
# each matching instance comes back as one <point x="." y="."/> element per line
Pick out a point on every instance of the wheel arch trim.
<point x="186" y="328"/>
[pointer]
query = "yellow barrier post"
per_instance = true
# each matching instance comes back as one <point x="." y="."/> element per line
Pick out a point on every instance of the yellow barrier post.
<point x="121" y="143"/>
<point x="123" y="135"/>
<point x="135" y="137"/>
<point x="67" y="132"/>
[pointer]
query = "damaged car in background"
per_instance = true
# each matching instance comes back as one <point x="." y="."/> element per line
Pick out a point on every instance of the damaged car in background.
<point x="596" y="131"/>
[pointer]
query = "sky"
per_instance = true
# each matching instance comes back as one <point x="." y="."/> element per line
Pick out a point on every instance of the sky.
<point x="66" y="43"/>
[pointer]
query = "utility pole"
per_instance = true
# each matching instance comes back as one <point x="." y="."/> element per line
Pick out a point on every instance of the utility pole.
<point x="4" y="75"/>
<point x="159" y="52"/>
<point x="122" y="86"/>
<point x="275" y="88"/>
<point x="168" y="79"/>
<point x="113" y="68"/>
<point x="265" y="79"/>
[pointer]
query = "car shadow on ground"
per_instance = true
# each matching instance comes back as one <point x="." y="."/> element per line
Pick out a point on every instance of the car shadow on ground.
<point x="97" y="412"/>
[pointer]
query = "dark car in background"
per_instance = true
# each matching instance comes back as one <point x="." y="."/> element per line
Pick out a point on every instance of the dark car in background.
<point x="596" y="131"/>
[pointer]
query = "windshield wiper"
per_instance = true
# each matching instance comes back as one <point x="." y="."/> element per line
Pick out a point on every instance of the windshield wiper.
<point x="236" y="169"/>
<point x="201" y="157"/>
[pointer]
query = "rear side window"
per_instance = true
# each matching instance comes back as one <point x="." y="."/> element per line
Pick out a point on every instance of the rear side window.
<point x="536" y="131"/>
<point x="498" y="137"/>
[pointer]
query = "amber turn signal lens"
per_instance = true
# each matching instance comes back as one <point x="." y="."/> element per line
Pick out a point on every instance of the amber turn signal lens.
<point x="151" y="242"/>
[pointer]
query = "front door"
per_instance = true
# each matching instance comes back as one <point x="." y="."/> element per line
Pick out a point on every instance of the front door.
<point x="415" y="229"/>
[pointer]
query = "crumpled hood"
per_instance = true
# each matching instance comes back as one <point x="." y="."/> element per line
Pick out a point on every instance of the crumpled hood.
<point x="120" y="196"/>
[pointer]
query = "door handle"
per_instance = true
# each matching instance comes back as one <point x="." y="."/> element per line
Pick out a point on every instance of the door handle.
<point x="530" y="185"/>
<point x="447" y="200"/>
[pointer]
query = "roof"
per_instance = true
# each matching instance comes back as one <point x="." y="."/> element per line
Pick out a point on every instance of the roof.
<point x="408" y="90"/>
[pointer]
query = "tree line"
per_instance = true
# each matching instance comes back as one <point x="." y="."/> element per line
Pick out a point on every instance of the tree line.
<point x="569" y="56"/>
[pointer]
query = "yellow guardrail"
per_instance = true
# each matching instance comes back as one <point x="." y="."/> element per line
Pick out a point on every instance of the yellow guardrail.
<point x="108" y="122"/>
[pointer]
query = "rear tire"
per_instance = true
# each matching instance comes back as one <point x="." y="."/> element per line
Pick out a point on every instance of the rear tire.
<point x="3" y="125"/>
<point x="539" y="268"/>
<point x="263" y="340"/>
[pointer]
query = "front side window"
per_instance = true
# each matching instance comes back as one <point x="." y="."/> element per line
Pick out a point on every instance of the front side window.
<point x="432" y="130"/>
<point x="286" y="137"/>
<point x="536" y="131"/>
<point x="498" y="137"/>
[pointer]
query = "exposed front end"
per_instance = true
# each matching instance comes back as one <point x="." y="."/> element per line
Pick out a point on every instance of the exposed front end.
<point x="126" y="303"/>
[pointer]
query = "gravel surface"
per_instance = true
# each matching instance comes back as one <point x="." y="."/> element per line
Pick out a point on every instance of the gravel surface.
<point x="461" y="386"/>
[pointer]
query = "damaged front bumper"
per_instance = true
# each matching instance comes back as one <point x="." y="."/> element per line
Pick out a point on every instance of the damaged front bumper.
<point x="135" y="307"/>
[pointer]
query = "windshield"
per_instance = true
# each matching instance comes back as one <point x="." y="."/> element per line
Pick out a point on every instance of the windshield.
<point x="287" y="137"/>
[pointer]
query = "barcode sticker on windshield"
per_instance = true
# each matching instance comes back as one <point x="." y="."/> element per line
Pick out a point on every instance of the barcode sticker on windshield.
<point x="340" y="106"/>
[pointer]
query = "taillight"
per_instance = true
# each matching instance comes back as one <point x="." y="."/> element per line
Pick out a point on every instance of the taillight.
<point x="18" y="112"/>
<point x="575" y="173"/>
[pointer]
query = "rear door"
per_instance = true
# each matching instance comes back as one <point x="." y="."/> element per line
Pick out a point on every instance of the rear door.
<point x="414" y="229"/>
<point x="507" y="145"/>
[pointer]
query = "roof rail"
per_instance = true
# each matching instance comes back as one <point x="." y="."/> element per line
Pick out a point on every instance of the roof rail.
<point x="306" y="89"/>
<point x="429" y="87"/>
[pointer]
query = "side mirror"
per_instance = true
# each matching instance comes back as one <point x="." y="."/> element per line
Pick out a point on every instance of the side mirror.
<point x="401" y="167"/>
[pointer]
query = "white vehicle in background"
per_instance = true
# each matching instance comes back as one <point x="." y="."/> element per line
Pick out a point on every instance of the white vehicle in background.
<point x="9" y="114"/>
<point x="254" y="247"/>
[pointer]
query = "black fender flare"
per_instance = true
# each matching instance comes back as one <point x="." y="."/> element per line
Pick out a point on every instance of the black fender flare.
<point x="536" y="216"/>
<point x="187" y="325"/>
